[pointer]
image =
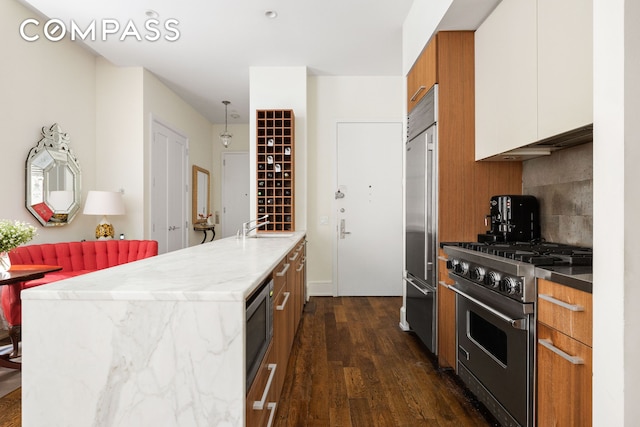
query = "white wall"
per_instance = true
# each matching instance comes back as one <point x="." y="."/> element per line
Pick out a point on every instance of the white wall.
<point x="616" y="322"/>
<point x="119" y="142"/>
<point x="420" y="24"/>
<point x="332" y="100"/>
<point x="42" y="83"/>
<point x="165" y="105"/>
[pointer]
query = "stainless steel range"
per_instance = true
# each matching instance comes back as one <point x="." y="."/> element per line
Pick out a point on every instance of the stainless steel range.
<point x="496" y="293"/>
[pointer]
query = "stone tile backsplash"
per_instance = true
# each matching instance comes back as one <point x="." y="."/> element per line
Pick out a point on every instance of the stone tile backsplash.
<point x="563" y="184"/>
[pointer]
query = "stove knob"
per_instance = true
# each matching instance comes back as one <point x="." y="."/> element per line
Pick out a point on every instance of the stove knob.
<point x="461" y="268"/>
<point x="492" y="279"/>
<point x="477" y="274"/>
<point x="451" y="264"/>
<point x="510" y="285"/>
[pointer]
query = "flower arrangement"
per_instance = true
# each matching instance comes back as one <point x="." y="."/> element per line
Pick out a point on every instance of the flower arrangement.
<point x="203" y="216"/>
<point x="14" y="234"/>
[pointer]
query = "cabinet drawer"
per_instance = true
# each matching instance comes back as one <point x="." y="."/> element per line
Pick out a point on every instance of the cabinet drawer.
<point x="564" y="380"/>
<point x="566" y="309"/>
<point x="261" y="402"/>
<point x="280" y="276"/>
<point x="422" y="76"/>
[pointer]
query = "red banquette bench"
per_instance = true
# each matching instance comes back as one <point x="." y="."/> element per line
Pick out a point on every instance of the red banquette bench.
<point x="75" y="258"/>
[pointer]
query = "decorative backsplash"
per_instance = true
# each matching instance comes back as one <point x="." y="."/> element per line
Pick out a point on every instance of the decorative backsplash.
<point x="563" y="184"/>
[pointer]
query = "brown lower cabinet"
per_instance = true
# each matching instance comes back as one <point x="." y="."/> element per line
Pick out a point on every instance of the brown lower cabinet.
<point x="288" y="303"/>
<point x="446" y="316"/>
<point x="564" y="356"/>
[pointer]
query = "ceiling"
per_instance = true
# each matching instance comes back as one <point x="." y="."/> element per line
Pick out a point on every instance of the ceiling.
<point x="220" y="39"/>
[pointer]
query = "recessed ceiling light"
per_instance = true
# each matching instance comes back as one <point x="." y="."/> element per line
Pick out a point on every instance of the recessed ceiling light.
<point x="271" y="14"/>
<point x="152" y="13"/>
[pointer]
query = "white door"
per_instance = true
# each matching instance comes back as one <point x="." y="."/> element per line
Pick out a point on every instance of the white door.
<point x="169" y="207"/>
<point x="369" y="209"/>
<point x="235" y="192"/>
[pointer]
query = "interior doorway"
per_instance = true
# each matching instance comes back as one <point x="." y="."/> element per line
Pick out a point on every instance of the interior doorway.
<point x="368" y="209"/>
<point x="235" y="192"/>
<point x="168" y="198"/>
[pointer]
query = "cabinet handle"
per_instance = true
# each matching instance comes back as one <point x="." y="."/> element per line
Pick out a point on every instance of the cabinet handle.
<point x="271" y="406"/>
<point x="299" y="269"/>
<point x="443" y="283"/>
<point x="293" y="258"/>
<point x="552" y="300"/>
<point x="443" y="258"/>
<point x="258" y="405"/>
<point x="286" y="298"/>
<point x="572" y="359"/>
<point x="284" y="270"/>
<point x="415" y="95"/>
<point x="300" y="247"/>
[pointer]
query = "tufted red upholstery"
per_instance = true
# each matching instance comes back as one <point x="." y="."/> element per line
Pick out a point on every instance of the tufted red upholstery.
<point x="75" y="258"/>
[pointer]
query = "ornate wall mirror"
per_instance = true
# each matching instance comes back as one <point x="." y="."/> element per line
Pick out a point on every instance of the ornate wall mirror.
<point x="53" y="179"/>
<point x="201" y="185"/>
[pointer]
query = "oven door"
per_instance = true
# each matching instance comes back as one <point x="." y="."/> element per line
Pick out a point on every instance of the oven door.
<point x="495" y="354"/>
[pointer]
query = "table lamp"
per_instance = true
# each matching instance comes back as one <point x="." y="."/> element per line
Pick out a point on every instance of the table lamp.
<point x="104" y="203"/>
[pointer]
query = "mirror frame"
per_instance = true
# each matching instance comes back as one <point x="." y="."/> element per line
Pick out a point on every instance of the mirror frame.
<point x="52" y="151"/>
<point x="200" y="209"/>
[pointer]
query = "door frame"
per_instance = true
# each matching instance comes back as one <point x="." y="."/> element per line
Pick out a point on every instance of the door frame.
<point x="223" y="192"/>
<point x="333" y="223"/>
<point x="148" y="202"/>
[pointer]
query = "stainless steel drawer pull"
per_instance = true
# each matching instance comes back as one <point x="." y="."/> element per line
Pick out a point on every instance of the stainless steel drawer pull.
<point x="293" y="258"/>
<point x="301" y="266"/>
<point x="443" y="283"/>
<point x="572" y="359"/>
<point x="258" y="405"/>
<point x="286" y="298"/>
<point x="552" y="300"/>
<point x="415" y="95"/>
<point x="284" y="270"/>
<point x="425" y="292"/>
<point x="271" y="406"/>
<point x="443" y="258"/>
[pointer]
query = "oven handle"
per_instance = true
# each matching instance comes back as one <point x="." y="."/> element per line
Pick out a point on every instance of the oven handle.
<point x="515" y="323"/>
<point x="425" y="292"/>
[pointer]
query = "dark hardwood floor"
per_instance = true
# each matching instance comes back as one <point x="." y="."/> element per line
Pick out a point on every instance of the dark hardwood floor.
<point x="351" y="365"/>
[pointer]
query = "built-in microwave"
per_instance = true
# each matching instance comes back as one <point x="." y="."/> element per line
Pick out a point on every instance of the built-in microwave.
<point x="259" y="328"/>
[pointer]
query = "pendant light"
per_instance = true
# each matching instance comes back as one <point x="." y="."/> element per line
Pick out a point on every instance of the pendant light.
<point x="225" y="137"/>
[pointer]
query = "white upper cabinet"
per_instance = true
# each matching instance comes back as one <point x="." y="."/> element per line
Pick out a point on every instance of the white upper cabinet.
<point x="534" y="73"/>
<point x="565" y="65"/>
<point x="506" y="82"/>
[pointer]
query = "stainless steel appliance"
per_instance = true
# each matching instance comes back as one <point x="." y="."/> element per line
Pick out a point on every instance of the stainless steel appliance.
<point x="495" y="305"/>
<point x="512" y="219"/>
<point x="421" y="219"/>
<point x="259" y="328"/>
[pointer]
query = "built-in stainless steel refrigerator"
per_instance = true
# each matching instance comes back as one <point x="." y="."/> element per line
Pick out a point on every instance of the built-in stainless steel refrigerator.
<point x="421" y="219"/>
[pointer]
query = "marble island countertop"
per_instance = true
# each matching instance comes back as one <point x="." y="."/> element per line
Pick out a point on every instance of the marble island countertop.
<point x="224" y="270"/>
<point x="157" y="342"/>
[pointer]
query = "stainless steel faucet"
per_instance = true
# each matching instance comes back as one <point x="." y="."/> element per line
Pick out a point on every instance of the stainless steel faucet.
<point x="246" y="229"/>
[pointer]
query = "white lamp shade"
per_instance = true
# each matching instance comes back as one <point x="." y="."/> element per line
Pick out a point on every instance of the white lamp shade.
<point x="104" y="203"/>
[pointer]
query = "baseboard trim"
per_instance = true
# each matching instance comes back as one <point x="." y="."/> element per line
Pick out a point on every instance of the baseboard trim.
<point x="320" y="289"/>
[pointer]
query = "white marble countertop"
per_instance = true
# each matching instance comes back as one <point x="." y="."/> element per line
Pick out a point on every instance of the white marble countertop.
<point x="223" y="270"/>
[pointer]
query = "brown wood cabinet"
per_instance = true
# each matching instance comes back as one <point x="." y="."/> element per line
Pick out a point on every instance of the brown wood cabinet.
<point x="288" y="288"/>
<point x="465" y="186"/>
<point x="422" y="76"/>
<point x="275" y="135"/>
<point x="446" y="316"/>
<point x="261" y="399"/>
<point x="564" y="355"/>
<point x="282" y="322"/>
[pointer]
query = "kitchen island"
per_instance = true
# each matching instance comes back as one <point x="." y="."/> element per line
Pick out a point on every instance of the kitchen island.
<point x="154" y="342"/>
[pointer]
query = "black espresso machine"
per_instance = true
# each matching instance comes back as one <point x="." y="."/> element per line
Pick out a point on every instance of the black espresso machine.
<point x="512" y="218"/>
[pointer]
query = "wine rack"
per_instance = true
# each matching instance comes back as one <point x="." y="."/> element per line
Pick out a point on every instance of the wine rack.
<point x="275" y="169"/>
